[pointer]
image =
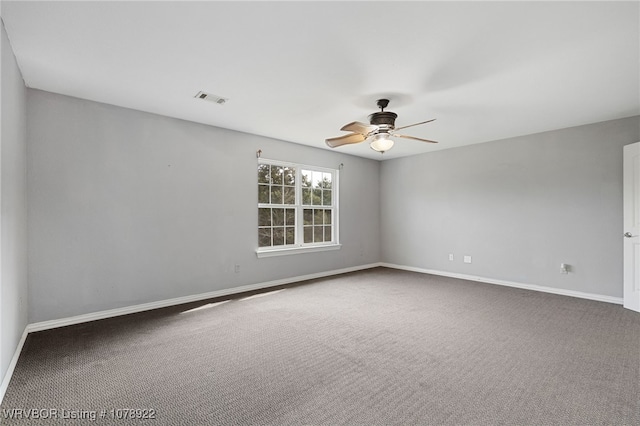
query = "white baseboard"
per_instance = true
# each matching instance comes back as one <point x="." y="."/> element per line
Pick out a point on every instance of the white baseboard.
<point x="12" y="364"/>
<point x="46" y="325"/>
<point x="572" y="293"/>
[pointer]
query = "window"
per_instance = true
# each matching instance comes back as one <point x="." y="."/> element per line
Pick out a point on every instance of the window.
<point x="297" y="208"/>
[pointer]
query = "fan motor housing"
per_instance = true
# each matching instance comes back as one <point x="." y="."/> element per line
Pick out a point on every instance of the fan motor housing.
<point x="383" y="118"/>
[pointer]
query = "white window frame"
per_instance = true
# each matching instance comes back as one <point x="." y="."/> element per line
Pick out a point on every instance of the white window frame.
<point x="300" y="246"/>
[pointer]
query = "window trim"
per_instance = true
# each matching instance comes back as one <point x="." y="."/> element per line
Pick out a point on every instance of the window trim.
<point x="299" y="207"/>
<point x="288" y="250"/>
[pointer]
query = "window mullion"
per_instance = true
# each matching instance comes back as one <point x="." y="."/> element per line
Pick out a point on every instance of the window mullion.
<point x="299" y="229"/>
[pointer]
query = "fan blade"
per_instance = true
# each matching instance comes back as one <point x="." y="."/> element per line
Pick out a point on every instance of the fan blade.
<point x="345" y="140"/>
<point x="357" y="127"/>
<point x="416" y="124"/>
<point x="413" y="137"/>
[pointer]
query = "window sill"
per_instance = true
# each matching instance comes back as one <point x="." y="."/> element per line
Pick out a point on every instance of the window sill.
<point x="296" y="250"/>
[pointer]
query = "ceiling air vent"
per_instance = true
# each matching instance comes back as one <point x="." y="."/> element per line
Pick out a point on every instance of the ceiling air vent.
<point x="211" y="98"/>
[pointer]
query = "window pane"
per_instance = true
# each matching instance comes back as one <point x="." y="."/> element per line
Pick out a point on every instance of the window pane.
<point x="278" y="236"/>
<point x="264" y="237"/>
<point x="263" y="194"/>
<point x="317" y="179"/>
<point x="327" y="217"/>
<point x="306" y="196"/>
<point x="326" y="180"/>
<point x="290" y="235"/>
<point x="264" y="217"/>
<point x="317" y="217"/>
<point x="327" y="233"/>
<point x="308" y="217"/>
<point x="289" y="194"/>
<point x="306" y="178"/>
<point x="278" y="217"/>
<point x="326" y="197"/>
<point x="276" y="195"/>
<point x="263" y="173"/>
<point x="308" y="234"/>
<point x="289" y="177"/>
<point x="318" y="234"/>
<point x="276" y="175"/>
<point x="316" y="199"/>
<point x="290" y="217"/>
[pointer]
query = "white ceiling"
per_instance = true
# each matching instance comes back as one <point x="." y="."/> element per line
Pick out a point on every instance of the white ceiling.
<point x="298" y="71"/>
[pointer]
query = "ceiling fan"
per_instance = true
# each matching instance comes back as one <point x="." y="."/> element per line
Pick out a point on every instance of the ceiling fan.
<point x="378" y="132"/>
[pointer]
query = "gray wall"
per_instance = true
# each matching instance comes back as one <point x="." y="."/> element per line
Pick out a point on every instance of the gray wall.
<point x="13" y="210"/>
<point x="127" y="207"/>
<point x="519" y="207"/>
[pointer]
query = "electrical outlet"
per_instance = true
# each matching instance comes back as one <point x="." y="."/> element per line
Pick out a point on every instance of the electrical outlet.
<point x="564" y="268"/>
<point x="450" y="256"/>
<point x="467" y="259"/>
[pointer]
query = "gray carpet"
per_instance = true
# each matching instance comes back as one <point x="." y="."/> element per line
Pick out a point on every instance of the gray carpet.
<point x="376" y="347"/>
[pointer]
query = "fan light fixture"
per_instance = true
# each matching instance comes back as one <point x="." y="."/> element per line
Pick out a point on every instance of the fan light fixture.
<point x="381" y="142"/>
